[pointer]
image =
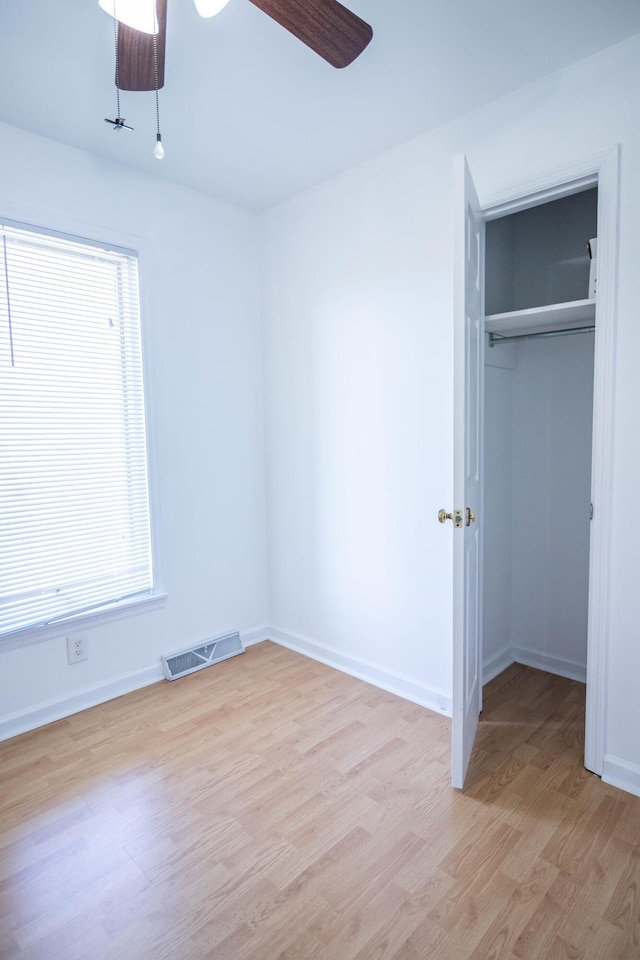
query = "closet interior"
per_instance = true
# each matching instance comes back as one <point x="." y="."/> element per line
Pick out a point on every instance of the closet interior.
<point x="540" y="306"/>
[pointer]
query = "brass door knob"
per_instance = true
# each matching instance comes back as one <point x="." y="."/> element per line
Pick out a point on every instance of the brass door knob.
<point x="456" y="516"/>
<point x="470" y="517"/>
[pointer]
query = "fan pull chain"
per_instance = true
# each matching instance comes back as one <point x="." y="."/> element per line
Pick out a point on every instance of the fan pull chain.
<point x="115" y="43"/>
<point x="118" y="123"/>
<point x="159" y="149"/>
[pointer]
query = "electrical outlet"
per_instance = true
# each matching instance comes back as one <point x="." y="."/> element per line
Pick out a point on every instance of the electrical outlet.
<point x="77" y="648"/>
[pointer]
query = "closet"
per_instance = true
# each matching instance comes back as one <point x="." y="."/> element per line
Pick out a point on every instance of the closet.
<point x="538" y="402"/>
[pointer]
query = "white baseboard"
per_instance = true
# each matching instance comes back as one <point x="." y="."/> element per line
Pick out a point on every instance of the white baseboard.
<point x="373" y="673"/>
<point x="65" y="706"/>
<point x="561" y="666"/>
<point x="496" y="663"/>
<point x="255" y="635"/>
<point x="620" y="773"/>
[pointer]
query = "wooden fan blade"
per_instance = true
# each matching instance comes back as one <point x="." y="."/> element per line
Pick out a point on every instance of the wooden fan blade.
<point x="331" y="30"/>
<point x="136" y="68"/>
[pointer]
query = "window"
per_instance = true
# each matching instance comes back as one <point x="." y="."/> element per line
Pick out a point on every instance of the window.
<point x="74" y="504"/>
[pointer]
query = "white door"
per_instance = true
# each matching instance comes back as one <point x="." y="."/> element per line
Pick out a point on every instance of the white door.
<point x="468" y="396"/>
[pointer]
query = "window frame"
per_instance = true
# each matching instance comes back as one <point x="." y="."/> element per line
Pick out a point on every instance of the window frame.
<point x="106" y="237"/>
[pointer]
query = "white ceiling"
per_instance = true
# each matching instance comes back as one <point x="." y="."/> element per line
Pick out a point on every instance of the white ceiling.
<point x="251" y="115"/>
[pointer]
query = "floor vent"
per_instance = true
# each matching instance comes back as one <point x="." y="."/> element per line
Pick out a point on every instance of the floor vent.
<point x="213" y="651"/>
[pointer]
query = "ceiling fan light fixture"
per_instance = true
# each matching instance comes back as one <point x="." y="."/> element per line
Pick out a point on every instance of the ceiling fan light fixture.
<point x="140" y="15"/>
<point x="209" y="8"/>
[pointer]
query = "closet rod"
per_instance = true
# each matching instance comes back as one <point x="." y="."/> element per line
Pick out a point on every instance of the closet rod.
<point x="495" y="338"/>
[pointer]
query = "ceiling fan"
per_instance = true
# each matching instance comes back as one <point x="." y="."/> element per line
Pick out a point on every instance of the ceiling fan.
<point x="326" y="26"/>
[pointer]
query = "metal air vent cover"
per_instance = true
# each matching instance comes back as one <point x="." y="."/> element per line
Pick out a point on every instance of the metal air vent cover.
<point x="212" y="651"/>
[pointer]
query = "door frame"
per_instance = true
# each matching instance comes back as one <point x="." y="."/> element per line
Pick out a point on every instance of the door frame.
<point x="601" y="169"/>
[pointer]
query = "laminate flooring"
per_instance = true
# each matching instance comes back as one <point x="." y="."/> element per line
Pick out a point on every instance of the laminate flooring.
<point x="271" y="807"/>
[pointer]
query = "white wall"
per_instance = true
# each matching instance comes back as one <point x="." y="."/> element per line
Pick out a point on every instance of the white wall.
<point x="538" y="424"/>
<point x="359" y="381"/>
<point x="359" y="396"/>
<point x="200" y="286"/>
<point x="552" y="425"/>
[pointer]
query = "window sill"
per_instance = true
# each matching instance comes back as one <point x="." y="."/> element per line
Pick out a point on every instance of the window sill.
<point x="83" y="621"/>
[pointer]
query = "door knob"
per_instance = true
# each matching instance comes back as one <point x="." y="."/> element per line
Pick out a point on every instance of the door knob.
<point x="456" y="516"/>
<point x="470" y="517"/>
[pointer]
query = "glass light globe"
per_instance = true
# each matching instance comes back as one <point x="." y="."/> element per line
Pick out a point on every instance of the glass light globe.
<point x="138" y="14"/>
<point x="209" y="8"/>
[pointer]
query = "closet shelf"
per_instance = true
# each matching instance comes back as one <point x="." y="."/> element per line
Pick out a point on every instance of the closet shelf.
<point x="554" y="316"/>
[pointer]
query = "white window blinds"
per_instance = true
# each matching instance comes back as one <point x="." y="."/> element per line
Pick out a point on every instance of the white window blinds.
<point x="74" y="505"/>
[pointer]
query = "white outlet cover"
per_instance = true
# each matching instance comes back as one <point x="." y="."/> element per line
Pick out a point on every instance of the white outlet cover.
<point x="77" y="648"/>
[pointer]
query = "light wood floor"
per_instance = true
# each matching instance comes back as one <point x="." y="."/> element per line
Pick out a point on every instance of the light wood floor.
<point x="270" y="807"/>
